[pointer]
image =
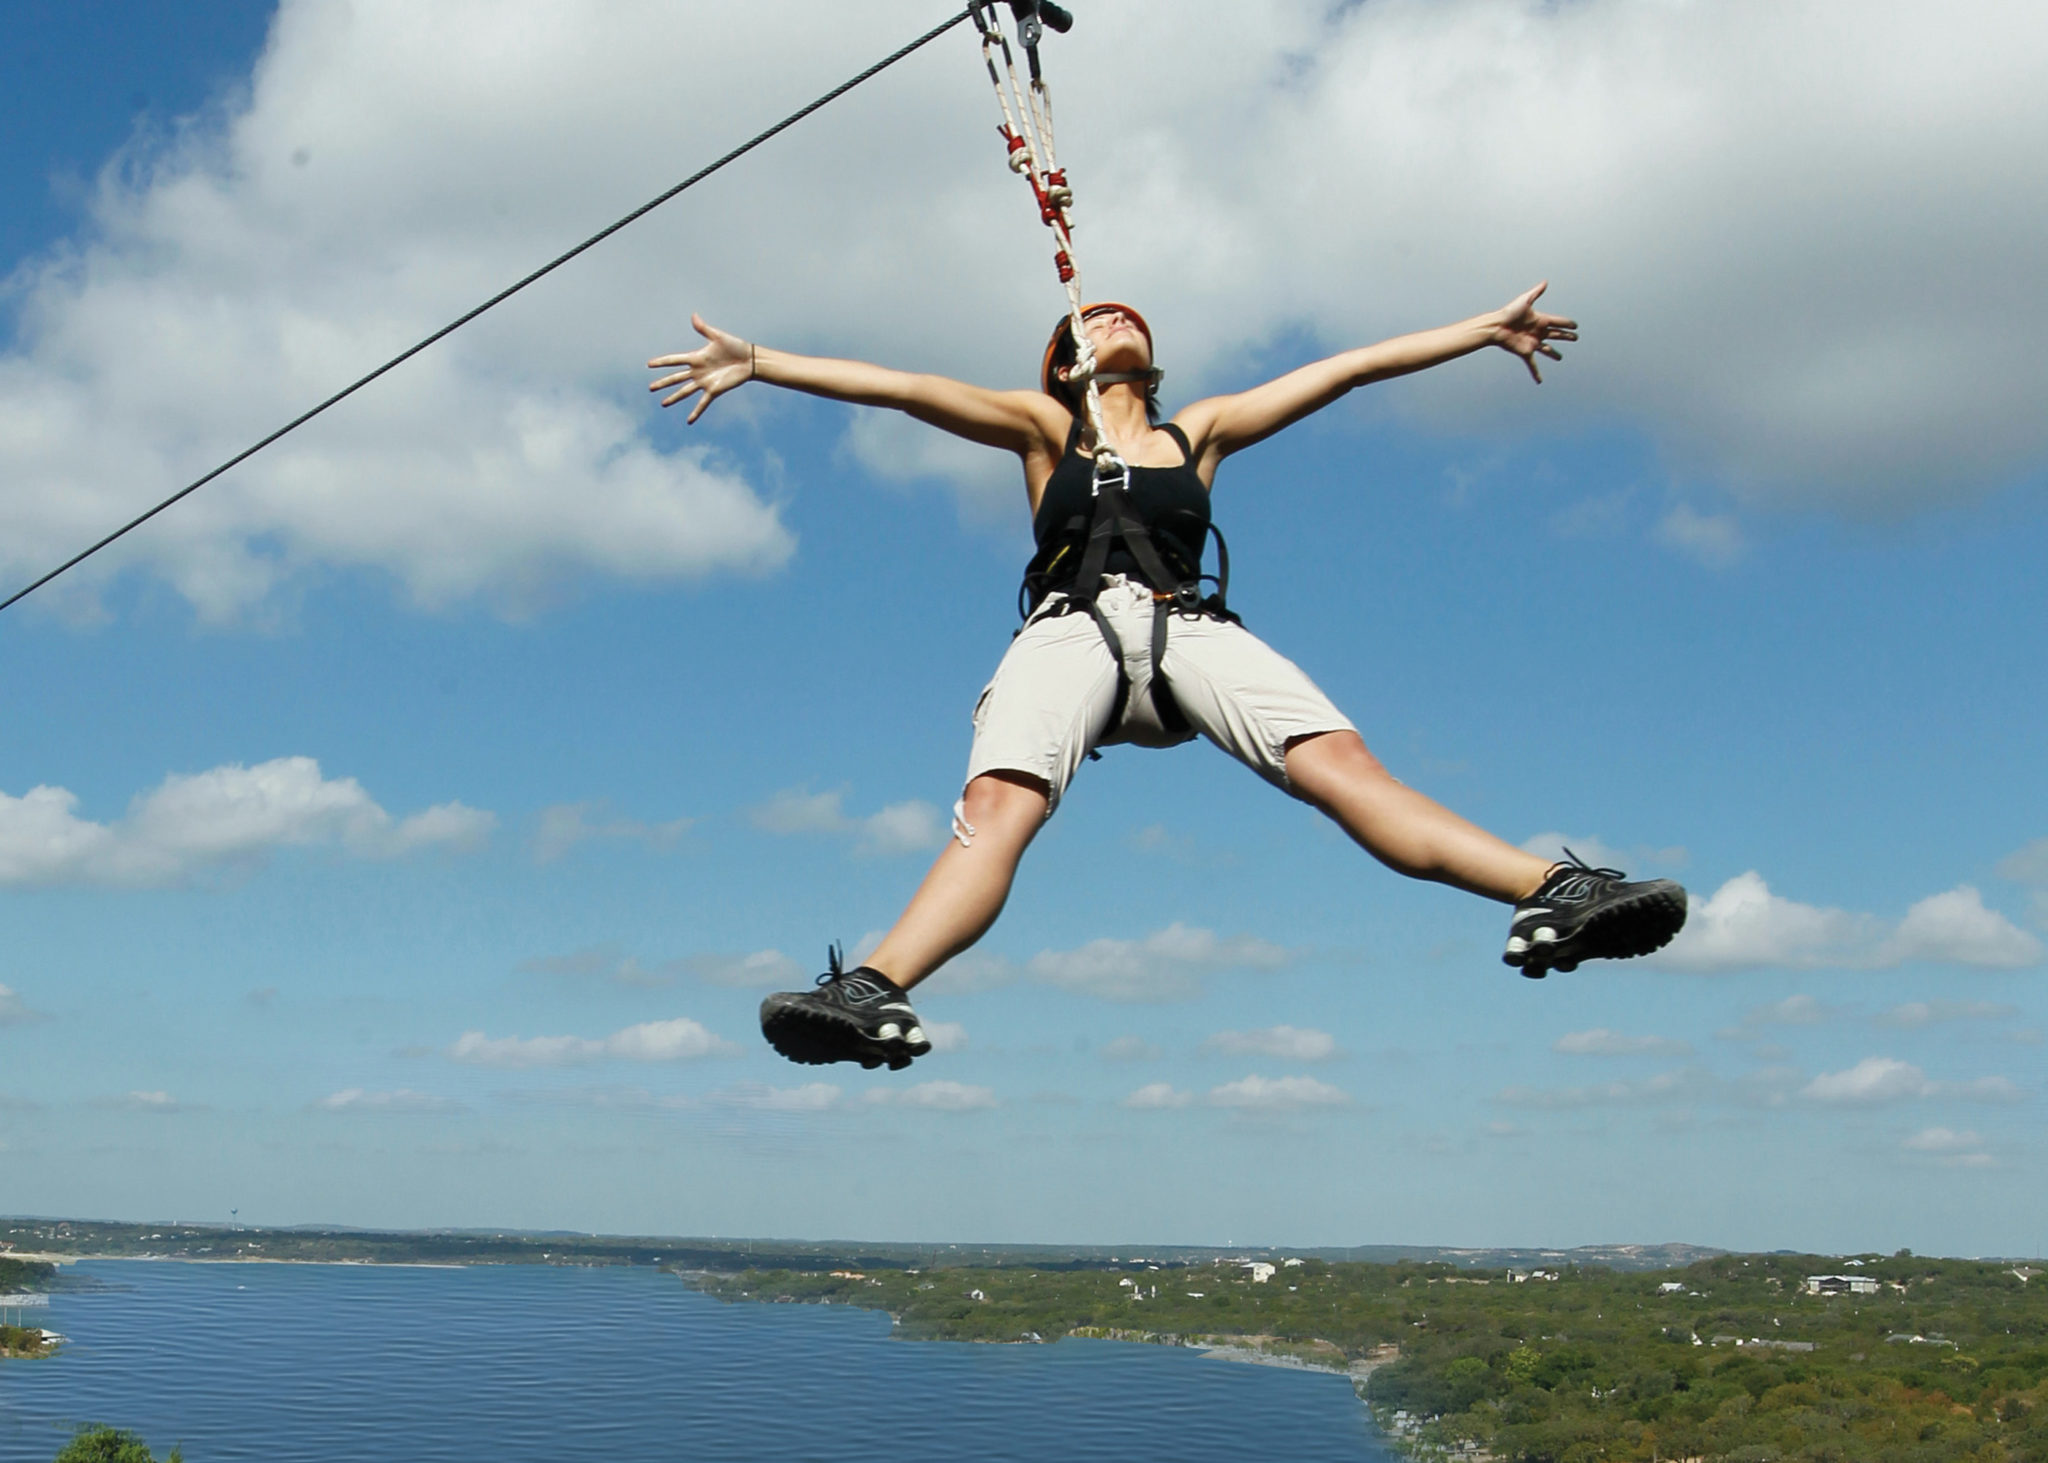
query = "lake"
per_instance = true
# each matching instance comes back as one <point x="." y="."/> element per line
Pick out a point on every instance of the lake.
<point x="520" y="1364"/>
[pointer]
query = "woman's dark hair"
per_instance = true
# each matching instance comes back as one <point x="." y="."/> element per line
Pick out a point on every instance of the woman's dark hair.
<point x="1069" y="394"/>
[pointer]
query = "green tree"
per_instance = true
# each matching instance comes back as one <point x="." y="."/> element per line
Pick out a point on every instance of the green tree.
<point x="98" y="1443"/>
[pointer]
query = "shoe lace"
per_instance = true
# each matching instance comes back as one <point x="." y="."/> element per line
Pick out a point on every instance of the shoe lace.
<point x="835" y="954"/>
<point x="1580" y="866"/>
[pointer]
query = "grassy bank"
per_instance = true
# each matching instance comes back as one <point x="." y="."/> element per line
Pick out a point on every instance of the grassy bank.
<point x="1729" y="1358"/>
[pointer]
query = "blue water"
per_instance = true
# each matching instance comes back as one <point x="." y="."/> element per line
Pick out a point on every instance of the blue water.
<point x="338" y="1363"/>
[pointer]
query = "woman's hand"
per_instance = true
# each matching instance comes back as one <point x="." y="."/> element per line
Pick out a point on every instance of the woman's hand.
<point x="1522" y="328"/>
<point x="723" y="362"/>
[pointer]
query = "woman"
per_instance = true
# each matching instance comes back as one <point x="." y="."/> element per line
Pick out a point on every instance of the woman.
<point x="1111" y="653"/>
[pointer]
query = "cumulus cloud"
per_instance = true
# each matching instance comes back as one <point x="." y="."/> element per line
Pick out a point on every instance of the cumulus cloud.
<point x="1941" y="1140"/>
<point x="905" y="827"/>
<point x="1166" y="965"/>
<point x="605" y="963"/>
<point x="763" y="968"/>
<point x="1277" y="1094"/>
<point x="1886" y="1079"/>
<point x="2027" y="865"/>
<point x="1684" y="1085"/>
<point x="1745" y="926"/>
<point x="566" y="825"/>
<point x="400" y="1100"/>
<point x="946" y="1036"/>
<point x="940" y="1096"/>
<point x="1596" y="851"/>
<point x="229" y="819"/>
<point x="676" y="1040"/>
<point x="810" y="1097"/>
<point x="1129" y="1049"/>
<point x="1155" y="1095"/>
<point x="382" y="172"/>
<point x="13" y="1010"/>
<point x="1712" y="539"/>
<point x="1912" y="1015"/>
<point x="157" y="1102"/>
<point x="1286" y="1043"/>
<point x="1601" y="1042"/>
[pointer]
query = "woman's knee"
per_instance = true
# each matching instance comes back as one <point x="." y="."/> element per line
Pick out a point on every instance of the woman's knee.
<point x="1322" y="764"/>
<point x="1003" y="797"/>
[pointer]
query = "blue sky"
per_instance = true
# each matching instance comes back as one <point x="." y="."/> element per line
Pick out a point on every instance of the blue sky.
<point x="423" y="809"/>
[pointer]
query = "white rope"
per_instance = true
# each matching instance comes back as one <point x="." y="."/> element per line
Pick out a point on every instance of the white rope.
<point x="1029" y="121"/>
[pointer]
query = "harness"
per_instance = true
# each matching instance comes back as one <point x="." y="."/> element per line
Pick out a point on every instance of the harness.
<point x="1074" y="556"/>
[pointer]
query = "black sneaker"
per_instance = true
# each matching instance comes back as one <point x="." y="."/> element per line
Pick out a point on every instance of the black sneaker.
<point x="1583" y="913"/>
<point x="857" y="1015"/>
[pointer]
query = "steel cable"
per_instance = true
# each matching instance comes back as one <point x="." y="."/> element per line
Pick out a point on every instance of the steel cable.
<point x="498" y="299"/>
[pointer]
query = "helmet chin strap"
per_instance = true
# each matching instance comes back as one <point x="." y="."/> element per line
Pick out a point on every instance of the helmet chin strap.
<point x="1151" y="377"/>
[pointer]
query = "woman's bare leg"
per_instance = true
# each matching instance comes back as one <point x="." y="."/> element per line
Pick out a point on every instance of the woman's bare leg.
<point x="967" y="887"/>
<point x="1403" y="829"/>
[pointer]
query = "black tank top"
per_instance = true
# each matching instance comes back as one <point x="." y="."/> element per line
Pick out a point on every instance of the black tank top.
<point x="1171" y="502"/>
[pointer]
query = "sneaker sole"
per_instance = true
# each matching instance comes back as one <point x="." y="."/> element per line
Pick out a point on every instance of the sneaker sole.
<point x="815" y="1038"/>
<point x="1623" y="930"/>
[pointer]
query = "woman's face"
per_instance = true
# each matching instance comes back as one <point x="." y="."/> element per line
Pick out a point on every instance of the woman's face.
<point x="1119" y="344"/>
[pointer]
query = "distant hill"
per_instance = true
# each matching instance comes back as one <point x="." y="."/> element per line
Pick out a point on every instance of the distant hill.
<point x="179" y="1241"/>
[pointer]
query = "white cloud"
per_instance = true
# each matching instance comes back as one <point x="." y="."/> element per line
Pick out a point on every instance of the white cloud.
<point x="1601" y="1042"/>
<point x="1956" y="929"/>
<point x="565" y="825"/>
<point x="764" y="968"/>
<point x="796" y="810"/>
<point x="156" y="1102"/>
<point x="385" y="172"/>
<point x="1745" y="926"/>
<point x="758" y="1097"/>
<point x="13" y="1010"/>
<point x="403" y="1100"/>
<point x="1887" y="1079"/>
<point x="1942" y="1140"/>
<point x="1155" y="1095"/>
<point x="1286" y="1043"/>
<point x="1129" y="1049"/>
<point x="1799" y="1010"/>
<point x="1688" y="1084"/>
<point x="2027" y="865"/>
<point x="977" y="970"/>
<point x="941" y="1096"/>
<point x="1274" y="1094"/>
<point x="676" y="1040"/>
<point x="1557" y="847"/>
<point x="1166" y="965"/>
<point x="946" y="1036"/>
<point x="230" y="818"/>
<point x="1912" y="1015"/>
<point x="1712" y="539"/>
<point x="905" y="827"/>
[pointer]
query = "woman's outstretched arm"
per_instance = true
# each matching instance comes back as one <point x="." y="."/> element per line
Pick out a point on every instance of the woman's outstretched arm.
<point x="1023" y="422"/>
<point x="1222" y="425"/>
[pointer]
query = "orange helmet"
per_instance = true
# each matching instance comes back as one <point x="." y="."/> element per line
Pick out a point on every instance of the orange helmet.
<point x="1063" y="335"/>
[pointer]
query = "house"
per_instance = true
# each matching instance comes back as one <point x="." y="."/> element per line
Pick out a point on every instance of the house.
<point x="1261" y="1271"/>
<point x="1840" y="1285"/>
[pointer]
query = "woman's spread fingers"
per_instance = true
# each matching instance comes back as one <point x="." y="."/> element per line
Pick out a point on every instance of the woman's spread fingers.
<point x="667" y="381"/>
<point x="1549" y="352"/>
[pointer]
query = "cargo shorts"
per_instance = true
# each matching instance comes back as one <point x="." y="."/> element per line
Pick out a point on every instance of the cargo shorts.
<point x="1050" y="702"/>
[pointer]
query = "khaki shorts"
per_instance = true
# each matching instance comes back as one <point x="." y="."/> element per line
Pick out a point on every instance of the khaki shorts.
<point x="1050" y="702"/>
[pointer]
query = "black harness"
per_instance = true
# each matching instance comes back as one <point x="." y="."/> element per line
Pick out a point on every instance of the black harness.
<point x="1073" y="557"/>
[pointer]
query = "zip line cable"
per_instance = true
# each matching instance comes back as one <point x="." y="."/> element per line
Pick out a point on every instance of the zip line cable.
<point x="498" y="299"/>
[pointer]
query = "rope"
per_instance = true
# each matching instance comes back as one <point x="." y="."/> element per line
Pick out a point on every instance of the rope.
<point x="1027" y="129"/>
<point x="498" y="299"/>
